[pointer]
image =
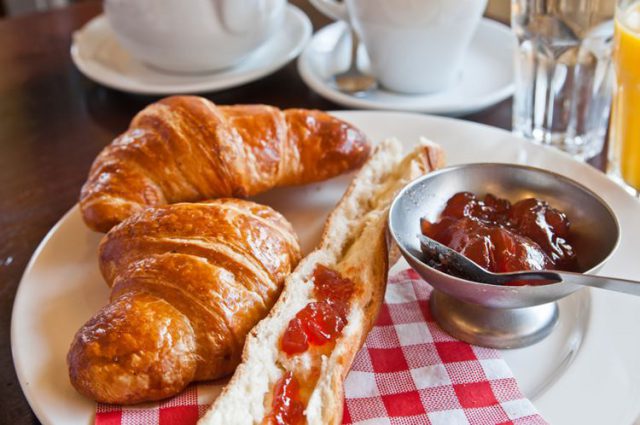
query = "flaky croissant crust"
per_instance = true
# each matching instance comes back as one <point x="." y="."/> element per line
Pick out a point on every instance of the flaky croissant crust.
<point x="185" y="149"/>
<point x="189" y="281"/>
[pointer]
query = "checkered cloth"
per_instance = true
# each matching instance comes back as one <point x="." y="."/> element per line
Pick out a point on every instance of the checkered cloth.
<point x="408" y="372"/>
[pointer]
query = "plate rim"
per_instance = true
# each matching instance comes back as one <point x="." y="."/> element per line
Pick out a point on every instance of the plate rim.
<point x="292" y="13"/>
<point x="26" y="389"/>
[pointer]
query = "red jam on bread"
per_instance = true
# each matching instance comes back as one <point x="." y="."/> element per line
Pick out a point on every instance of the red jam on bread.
<point x="320" y="322"/>
<point x="287" y="407"/>
<point x="505" y="237"/>
<point x="316" y="326"/>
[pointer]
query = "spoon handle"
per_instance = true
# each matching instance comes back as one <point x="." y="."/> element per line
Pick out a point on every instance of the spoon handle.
<point x="612" y="284"/>
<point x="354" y="48"/>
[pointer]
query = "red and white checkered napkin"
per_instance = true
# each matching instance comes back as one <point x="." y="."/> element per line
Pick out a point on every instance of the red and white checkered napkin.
<point x="408" y="372"/>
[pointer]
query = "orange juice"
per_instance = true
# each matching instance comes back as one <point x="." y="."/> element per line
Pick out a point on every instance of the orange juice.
<point x="625" y="116"/>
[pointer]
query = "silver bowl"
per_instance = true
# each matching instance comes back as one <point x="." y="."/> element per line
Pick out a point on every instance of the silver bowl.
<point x="490" y="315"/>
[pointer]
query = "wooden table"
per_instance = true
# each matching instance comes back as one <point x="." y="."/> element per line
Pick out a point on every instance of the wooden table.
<point x="53" y="122"/>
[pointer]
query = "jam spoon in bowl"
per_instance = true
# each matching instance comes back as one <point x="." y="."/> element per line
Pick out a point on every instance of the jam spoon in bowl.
<point x="448" y="260"/>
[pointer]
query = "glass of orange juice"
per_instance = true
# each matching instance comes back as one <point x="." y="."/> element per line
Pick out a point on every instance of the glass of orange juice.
<point x="624" y="135"/>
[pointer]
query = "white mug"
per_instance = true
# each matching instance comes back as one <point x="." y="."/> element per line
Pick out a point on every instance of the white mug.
<point x="415" y="46"/>
<point x="193" y="35"/>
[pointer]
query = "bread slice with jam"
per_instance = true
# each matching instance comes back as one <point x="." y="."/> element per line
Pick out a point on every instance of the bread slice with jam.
<point x="295" y="360"/>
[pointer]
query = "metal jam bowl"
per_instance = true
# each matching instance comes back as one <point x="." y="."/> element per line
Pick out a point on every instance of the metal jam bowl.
<point x="490" y="315"/>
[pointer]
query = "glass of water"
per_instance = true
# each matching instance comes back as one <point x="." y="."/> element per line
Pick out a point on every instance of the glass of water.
<point x="563" y="73"/>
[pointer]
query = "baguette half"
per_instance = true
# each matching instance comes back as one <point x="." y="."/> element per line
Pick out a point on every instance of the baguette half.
<point x="354" y="243"/>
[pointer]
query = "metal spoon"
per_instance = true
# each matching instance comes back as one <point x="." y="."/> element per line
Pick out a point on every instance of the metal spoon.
<point x="353" y="81"/>
<point x="445" y="259"/>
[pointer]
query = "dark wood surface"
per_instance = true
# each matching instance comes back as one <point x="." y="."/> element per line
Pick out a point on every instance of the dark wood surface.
<point x="53" y="122"/>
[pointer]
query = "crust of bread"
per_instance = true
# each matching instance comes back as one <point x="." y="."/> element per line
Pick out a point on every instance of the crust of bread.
<point x="354" y="243"/>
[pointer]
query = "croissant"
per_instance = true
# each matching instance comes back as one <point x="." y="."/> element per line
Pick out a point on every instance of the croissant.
<point x="188" y="281"/>
<point x="185" y="149"/>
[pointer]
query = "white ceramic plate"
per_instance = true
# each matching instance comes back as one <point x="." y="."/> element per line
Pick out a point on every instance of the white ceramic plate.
<point x="586" y="372"/>
<point x="487" y="75"/>
<point x="98" y="56"/>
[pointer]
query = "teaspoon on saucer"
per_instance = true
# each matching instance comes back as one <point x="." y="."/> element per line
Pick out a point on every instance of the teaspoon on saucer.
<point x="354" y="81"/>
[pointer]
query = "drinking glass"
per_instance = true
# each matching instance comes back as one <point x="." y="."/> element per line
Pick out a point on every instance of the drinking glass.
<point x="624" y="134"/>
<point x="563" y="72"/>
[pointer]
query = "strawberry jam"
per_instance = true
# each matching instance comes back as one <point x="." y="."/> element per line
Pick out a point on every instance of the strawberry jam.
<point x="501" y="237"/>
<point x="322" y="321"/>
<point x="330" y="286"/>
<point x="286" y="408"/>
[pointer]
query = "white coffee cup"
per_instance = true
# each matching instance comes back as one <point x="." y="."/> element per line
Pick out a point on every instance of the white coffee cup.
<point x="193" y="35"/>
<point x="414" y="46"/>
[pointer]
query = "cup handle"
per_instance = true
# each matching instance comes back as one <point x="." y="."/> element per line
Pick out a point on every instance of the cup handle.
<point x="332" y="9"/>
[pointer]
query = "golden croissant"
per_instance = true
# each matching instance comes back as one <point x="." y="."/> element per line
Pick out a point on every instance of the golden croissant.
<point x="185" y="148"/>
<point x="188" y="282"/>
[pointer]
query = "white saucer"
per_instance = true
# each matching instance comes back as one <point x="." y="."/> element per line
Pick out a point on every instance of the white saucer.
<point x="487" y="76"/>
<point x="98" y="56"/>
